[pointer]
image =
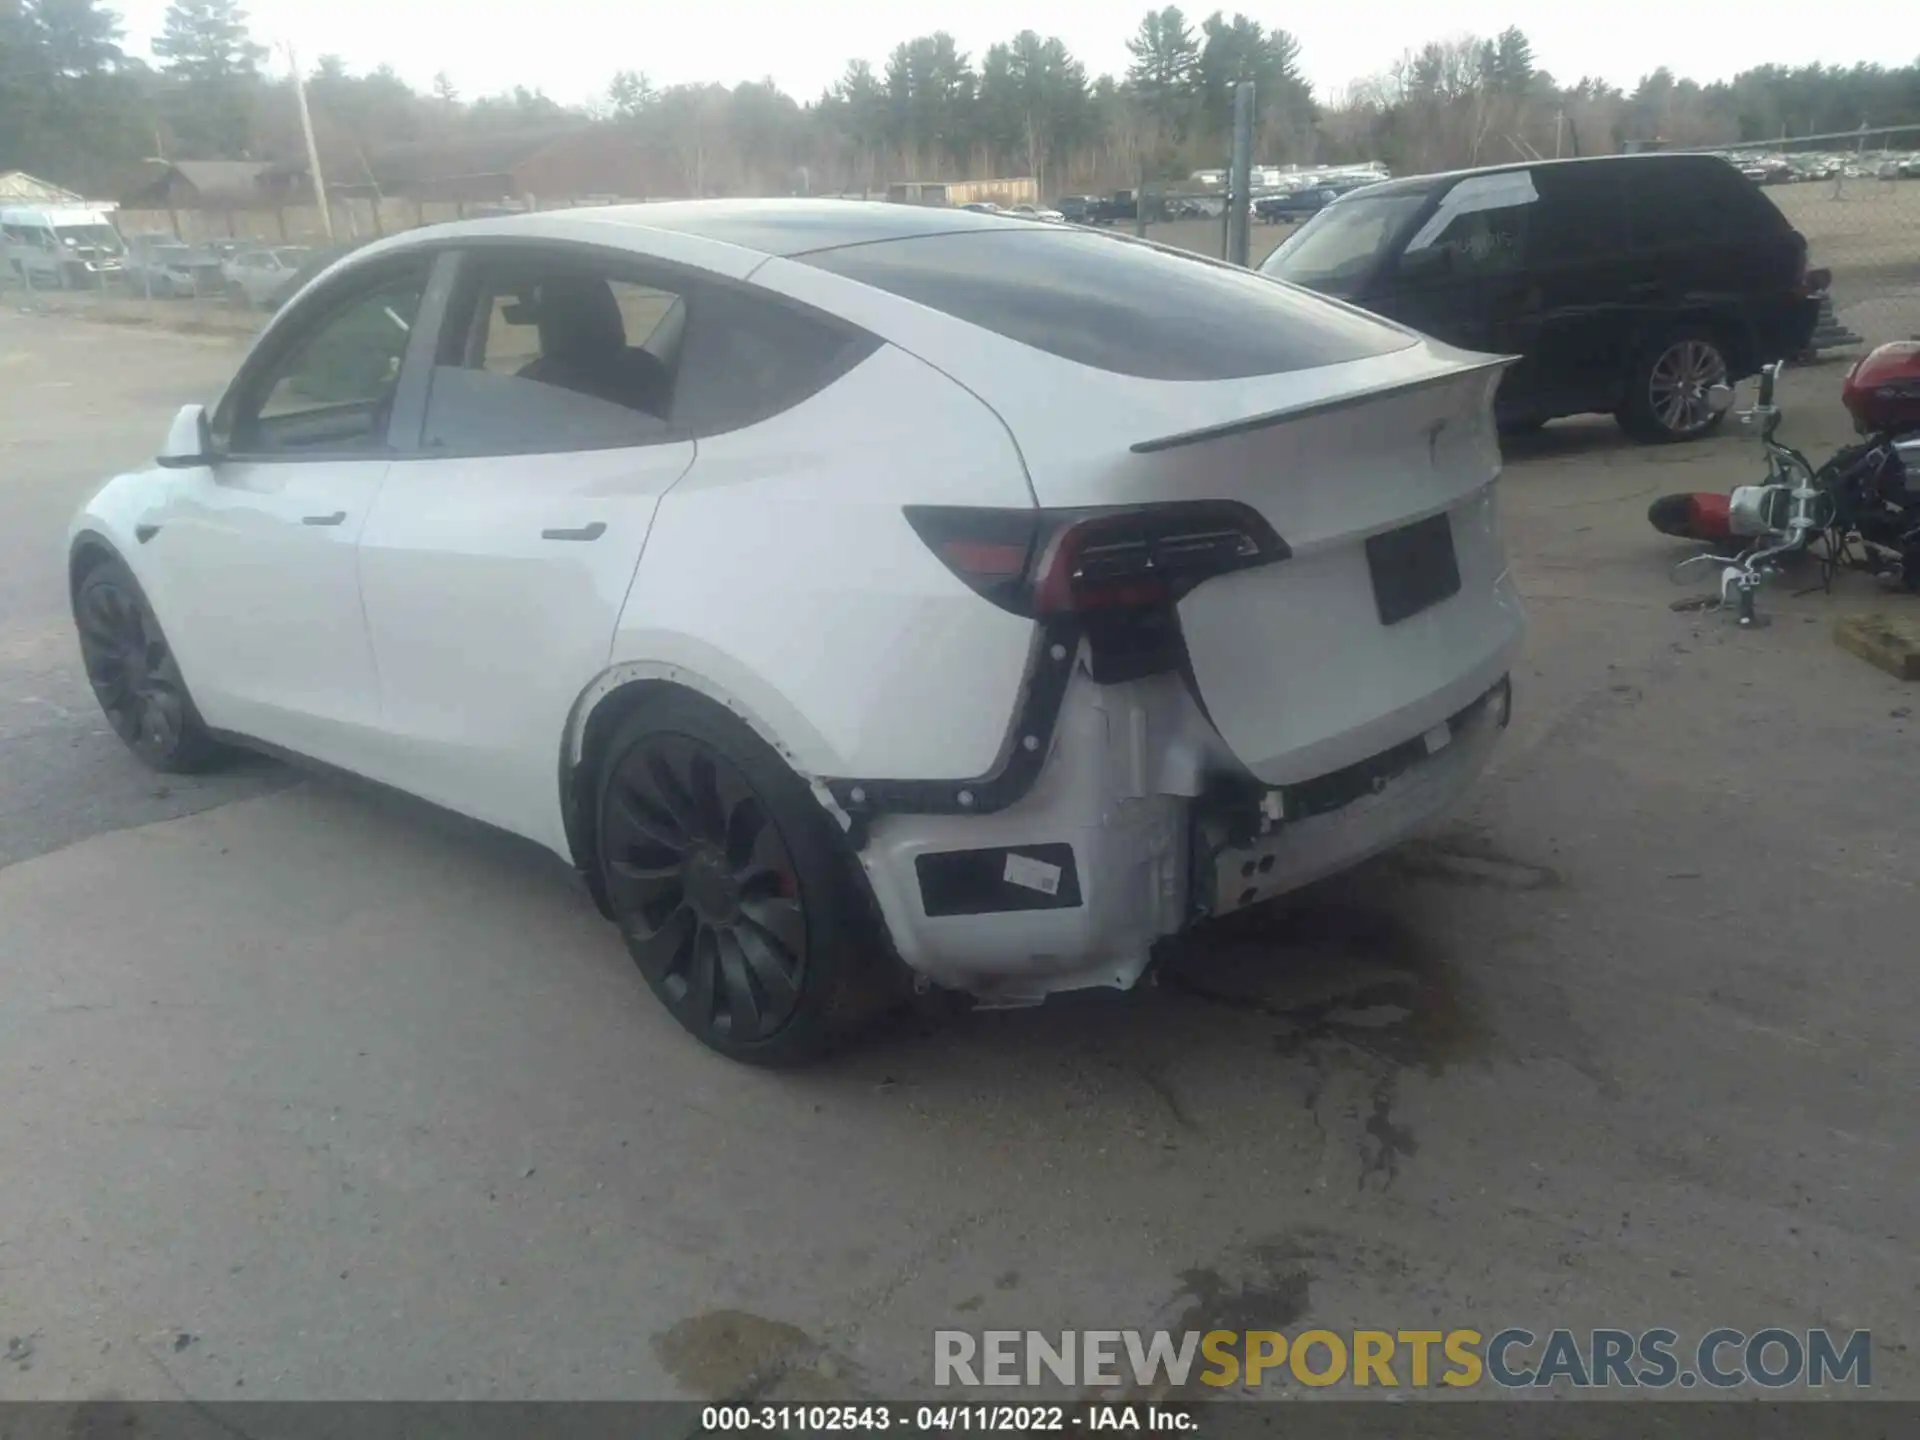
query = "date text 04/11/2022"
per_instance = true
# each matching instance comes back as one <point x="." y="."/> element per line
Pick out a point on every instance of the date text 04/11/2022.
<point x="943" y="1419"/>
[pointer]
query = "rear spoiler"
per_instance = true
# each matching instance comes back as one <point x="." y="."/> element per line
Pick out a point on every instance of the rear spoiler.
<point x="1317" y="407"/>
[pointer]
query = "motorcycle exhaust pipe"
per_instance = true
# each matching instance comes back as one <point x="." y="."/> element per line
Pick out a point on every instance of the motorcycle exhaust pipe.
<point x="1700" y="516"/>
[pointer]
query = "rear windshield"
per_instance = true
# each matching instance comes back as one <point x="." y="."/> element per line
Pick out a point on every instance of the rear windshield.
<point x="1115" y="304"/>
<point x="1338" y="250"/>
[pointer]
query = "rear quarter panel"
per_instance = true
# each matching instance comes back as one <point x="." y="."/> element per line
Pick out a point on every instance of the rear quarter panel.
<point x="781" y="577"/>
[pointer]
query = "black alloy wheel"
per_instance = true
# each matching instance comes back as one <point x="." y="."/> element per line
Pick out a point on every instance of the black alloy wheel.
<point x="738" y="895"/>
<point x="706" y="887"/>
<point x="134" y="673"/>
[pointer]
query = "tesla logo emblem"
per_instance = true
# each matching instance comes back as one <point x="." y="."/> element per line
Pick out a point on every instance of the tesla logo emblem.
<point x="1434" y="432"/>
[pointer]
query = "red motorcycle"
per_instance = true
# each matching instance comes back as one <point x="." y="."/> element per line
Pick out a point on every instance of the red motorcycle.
<point x="1860" y="510"/>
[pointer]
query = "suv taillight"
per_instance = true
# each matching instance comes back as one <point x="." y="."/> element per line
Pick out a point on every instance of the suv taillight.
<point x="1119" y="570"/>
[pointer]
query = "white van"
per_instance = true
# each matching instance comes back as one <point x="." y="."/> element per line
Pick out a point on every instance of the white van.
<point x="63" y="247"/>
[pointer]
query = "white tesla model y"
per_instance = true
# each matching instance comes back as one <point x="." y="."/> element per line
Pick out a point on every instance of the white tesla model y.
<point x="854" y="593"/>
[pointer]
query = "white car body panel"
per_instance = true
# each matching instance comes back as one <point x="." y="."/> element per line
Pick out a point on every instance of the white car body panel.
<point x="437" y="639"/>
<point x="825" y="578"/>
<point x="260" y="585"/>
<point x="484" y="630"/>
<point x="1373" y="445"/>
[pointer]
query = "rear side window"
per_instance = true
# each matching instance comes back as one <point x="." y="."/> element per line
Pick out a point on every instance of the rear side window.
<point x="748" y="357"/>
<point x="1116" y="305"/>
<point x="1581" y="215"/>
<point x="1688" y="201"/>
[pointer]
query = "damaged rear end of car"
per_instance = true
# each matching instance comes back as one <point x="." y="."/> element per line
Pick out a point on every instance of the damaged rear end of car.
<point x="1272" y="619"/>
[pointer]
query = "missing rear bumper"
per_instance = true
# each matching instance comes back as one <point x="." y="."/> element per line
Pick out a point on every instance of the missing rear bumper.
<point x="1335" y="821"/>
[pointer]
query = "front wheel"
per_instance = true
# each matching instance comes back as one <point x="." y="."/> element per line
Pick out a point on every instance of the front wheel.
<point x="1667" y="397"/>
<point x="136" y="677"/>
<point x="732" y="887"/>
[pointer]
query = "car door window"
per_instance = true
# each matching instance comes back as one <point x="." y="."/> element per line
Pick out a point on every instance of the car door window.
<point x="550" y="353"/>
<point x="553" y="352"/>
<point x="1481" y="224"/>
<point x="333" y="389"/>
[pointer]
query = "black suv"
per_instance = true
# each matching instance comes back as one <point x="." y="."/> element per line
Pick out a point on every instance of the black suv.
<point x="1626" y="284"/>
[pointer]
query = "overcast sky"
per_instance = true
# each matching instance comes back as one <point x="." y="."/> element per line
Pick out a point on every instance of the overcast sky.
<point x="569" y="48"/>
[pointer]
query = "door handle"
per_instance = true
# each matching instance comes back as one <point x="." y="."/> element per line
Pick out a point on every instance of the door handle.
<point x="338" y="517"/>
<point x="585" y="532"/>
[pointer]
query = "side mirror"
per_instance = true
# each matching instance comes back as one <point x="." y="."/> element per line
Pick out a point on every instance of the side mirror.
<point x="1720" y="397"/>
<point x="189" y="440"/>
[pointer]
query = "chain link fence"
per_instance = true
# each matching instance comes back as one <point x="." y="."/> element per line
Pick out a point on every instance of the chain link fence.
<point x="1856" y="197"/>
<point x="200" y="301"/>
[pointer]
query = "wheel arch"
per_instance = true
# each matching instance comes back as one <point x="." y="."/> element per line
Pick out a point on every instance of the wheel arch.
<point x="1732" y="329"/>
<point x="87" y="551"/>
<point x="622" y="689"/>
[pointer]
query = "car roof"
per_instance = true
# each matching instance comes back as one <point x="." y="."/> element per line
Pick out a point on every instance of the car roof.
<point x="1422" y="183"/>
<point x="766" y="227"/>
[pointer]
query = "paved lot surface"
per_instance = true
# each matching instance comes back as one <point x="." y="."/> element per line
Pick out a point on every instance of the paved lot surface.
<point x="309" y="1092"/>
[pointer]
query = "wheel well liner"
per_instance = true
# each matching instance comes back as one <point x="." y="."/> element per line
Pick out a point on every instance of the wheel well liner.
<point x="589" y="733"/>
<point x="579" y="779"/>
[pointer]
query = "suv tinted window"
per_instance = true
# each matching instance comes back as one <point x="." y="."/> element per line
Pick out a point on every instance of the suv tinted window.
<point x="1116" y="305"/>
<point x="1581" y="215"/>
<point x="1683" y="201"/>
<point x="1481" y="224"/>
<point x="553" y="352"/>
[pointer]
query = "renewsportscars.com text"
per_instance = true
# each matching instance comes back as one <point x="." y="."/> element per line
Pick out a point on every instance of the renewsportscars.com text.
<point x="1514" y="1358"/>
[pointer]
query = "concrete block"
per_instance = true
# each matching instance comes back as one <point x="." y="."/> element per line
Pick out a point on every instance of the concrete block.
<point x="1890" y="643"/>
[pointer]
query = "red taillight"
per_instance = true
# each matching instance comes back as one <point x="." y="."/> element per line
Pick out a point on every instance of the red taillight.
<point x="989" y="549"/>
<point x="1056" y="562"/>
<point x="983" y="558"/>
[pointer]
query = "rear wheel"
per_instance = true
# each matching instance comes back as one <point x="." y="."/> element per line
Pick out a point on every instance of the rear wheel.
<point x="732" y="887"/>
<point x="1666" y="398"/>
<point x="135" y="675"/>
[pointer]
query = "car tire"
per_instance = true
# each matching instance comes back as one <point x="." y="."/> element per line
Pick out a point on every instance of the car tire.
<point x="1667" y="384"/>
<point x="734" y="890"/>
<point x="136" y="677"/>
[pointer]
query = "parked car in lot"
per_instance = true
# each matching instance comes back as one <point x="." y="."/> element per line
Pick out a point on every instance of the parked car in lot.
<point x="1628" y="284"/>
<point x="1295" y="204"/>
<point x="1037" y="212"/>
<point x="316" y="262"/>
<point x="261" y="277"/>
<point x="594" y="526"/>
<point x="164" y="268"/>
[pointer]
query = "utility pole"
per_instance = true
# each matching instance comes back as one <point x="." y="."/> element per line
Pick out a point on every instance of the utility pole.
<point x="1240" y="176"/>
<point x="313" y="150"/>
